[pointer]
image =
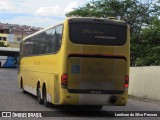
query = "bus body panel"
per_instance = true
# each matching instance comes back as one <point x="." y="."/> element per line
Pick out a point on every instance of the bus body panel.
<point x="111" y="51"/>
<point x="36" y="69"/>
<point x="9" y="57"/>
<point x="87" y="67"/>
<point x="86" y="74"/>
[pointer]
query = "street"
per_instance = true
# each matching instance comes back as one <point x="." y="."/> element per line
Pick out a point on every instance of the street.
<point x="13" y="99"/>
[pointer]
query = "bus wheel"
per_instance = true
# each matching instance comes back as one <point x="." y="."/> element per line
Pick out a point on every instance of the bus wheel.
<point x="40" y="101"/>
<point x="22" y="87"/>
<point x="46" y="103"/>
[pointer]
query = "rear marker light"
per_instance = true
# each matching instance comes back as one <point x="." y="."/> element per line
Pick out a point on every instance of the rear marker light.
<point x="64" y="80"/>
<point x="126" y="85"/>
<point x="126" y="81"/>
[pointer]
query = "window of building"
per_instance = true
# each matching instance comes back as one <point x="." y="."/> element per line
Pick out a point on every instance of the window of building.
<point x="4" y="39"/>
<point x="19" y="39"/>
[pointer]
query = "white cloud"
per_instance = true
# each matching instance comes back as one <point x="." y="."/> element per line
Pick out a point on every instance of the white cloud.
<point x="71" y="7"/>
<point x="57" y="10"/>
<point x="3" y="5"/>
<point x="6" y="5"/>
<point x="12" y="6"/>
<point x="41" y="13"/>
<point x="48" y="11"/>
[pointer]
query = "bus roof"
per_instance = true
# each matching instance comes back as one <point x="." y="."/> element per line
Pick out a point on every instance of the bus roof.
<point x="9" y="49"/>
<point x="85" y="18"/>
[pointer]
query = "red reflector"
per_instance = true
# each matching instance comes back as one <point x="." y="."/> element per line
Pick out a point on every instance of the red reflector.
<point x="64" y="79"/>
<point x="64" y="76"/>
<point x="126" y="81"/>
<point x="126" y="85"/>
<point x="127" y="78"/>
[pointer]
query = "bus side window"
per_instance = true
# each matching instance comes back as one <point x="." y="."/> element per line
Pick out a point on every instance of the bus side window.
<point x="48" y="37"/>
<point x="58" y="37"/>
<point x="51" y="41"/>
<point x="42" y="39"/>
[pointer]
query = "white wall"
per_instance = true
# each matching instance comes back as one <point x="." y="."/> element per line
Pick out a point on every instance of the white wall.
<point x="144" y="82"/>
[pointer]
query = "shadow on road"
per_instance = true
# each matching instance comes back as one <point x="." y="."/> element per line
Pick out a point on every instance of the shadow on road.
<point x="75" y="111"/>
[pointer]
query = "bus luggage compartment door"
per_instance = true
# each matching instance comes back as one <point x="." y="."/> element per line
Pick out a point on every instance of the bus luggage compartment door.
<point x="97" y="75"/>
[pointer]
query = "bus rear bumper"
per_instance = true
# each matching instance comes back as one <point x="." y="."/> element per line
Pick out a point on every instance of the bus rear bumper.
<point x="95" y="99"/>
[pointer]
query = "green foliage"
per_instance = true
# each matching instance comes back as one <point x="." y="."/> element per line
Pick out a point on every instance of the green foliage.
<point x="149" y="46"/>
<point x="134" y="12"/>
<point x="142" y="16"/>
<point x="2" y="44"/>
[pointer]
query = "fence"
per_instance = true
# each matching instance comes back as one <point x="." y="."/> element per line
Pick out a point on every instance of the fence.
<point x="145" y="82"/>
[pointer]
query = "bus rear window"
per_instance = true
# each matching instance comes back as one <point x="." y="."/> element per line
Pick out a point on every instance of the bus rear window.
<point x="98" y="34"/>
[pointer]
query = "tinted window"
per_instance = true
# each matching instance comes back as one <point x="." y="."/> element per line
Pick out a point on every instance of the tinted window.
<point x="98" y="34"/>
<point x="27" y="47"/>
<point x="58" y="37"/>
<point x="46" y="42"/>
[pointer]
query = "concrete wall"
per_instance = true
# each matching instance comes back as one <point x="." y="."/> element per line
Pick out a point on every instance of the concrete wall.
<point x="145" y="82"/>
<point x="14" y="45"/>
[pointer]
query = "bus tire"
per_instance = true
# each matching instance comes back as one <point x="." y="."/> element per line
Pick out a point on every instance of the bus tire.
<point x="46" y="103"/>
<point x="40" y="100"/>
<point x="22" y="87"/>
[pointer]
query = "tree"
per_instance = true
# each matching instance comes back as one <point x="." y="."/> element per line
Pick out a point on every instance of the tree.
<point x="138" y="14"/>
<point x="2" y="44"/>
<point x="149" y="46"/>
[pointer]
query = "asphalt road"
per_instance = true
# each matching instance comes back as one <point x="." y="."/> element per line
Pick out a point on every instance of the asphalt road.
<point x="12" y="99"/>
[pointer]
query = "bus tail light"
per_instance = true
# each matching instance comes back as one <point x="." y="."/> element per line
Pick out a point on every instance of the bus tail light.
<point x="64" y="80"/>
<point x="126" y="81"/>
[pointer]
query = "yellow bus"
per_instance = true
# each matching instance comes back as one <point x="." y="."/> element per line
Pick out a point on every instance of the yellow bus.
<point x="83" y="61"/>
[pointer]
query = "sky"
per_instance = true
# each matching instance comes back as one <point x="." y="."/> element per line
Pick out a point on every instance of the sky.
<point x="38" y="13"/>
